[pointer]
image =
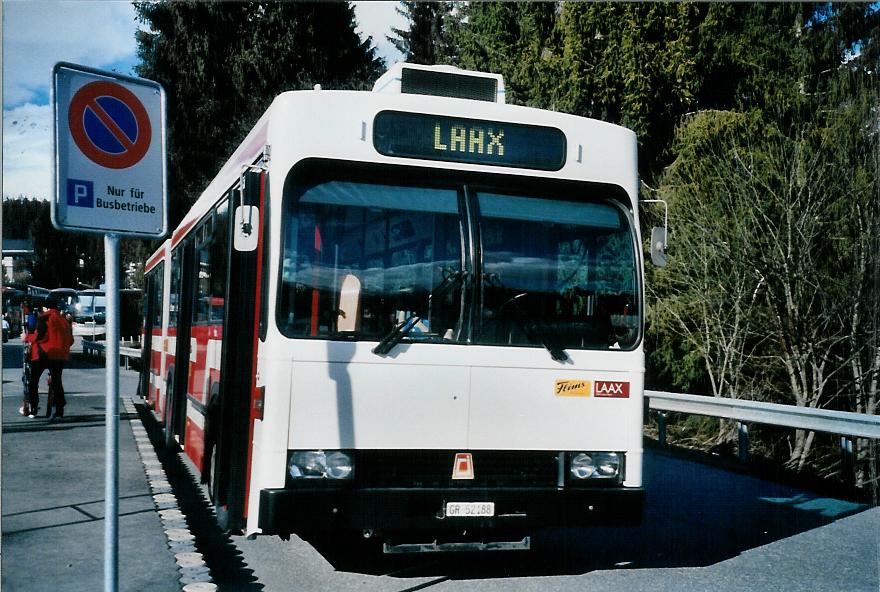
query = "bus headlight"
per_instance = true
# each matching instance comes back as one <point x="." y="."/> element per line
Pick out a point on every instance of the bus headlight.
<point x="318" y="464"/>
<point x="607" y="464"/>
<point x="339" y="465"/>
<point x="582" y="466"/>
<point x="594" y="465"/>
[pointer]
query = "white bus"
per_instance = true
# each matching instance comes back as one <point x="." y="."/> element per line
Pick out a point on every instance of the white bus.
<point x="412" y="315"/>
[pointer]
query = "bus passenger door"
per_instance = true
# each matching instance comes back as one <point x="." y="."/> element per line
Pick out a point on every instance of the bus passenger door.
<point x="178" y="329"/>
<point x="151" y="361"/>
<point x="210" y="261"/>
<point x="229" y="411"/>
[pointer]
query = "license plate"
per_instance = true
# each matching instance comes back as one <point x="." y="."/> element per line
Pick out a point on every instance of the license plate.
<point x="469" y="509"/>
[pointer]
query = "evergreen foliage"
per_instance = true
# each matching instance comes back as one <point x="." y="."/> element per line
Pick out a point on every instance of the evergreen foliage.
<point x="514" y="39"/>
<point x="222" y="64"/>
<point x="426" y="40"/>
<point x="646" y="65"/>
<point x="57" y="254"/>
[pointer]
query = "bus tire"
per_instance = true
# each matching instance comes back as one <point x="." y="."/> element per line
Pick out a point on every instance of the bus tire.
<point x="212" y="481"/>
<point x="168" y="415"/>
<point x="221" y="512"/>
<point x="212" y="423"/>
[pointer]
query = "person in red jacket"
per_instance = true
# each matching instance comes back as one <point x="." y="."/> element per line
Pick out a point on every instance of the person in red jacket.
<point x="49" y="349"/>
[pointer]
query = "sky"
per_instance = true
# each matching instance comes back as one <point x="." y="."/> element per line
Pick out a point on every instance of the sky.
<point x="39" y="33"/>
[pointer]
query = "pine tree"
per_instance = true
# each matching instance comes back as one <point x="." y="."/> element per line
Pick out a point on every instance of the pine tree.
<point x="221" y="64"/>
<point x="646" y="65"/>
<point x="515" y="39"/>
<point x="427" y="40"/>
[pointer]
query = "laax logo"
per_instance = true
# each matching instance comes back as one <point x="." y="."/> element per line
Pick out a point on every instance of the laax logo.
<point x="573" y="388"/>
<point x="469" y="139"/>
<point x="612" y="389"/>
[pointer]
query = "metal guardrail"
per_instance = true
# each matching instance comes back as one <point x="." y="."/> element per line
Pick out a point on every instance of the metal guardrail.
<point x="92" y="347"/>
<point x="846" y="424"/>
<point x="843" y="423"/>
<point x="98" y="348"/>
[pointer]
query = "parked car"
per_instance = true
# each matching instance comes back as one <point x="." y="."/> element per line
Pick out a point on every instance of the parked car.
<point x="12" y="300"/>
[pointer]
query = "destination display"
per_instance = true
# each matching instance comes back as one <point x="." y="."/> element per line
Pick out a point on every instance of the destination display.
<point x="475" y="141"/>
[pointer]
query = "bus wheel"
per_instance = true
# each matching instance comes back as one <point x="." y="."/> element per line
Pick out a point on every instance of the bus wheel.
<point x="213" y="478"/>
<point x="220" y="511"/>
<point x="168" y="418"/>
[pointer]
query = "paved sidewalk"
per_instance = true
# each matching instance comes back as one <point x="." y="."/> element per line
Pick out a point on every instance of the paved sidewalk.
<point x="53" y="491"/>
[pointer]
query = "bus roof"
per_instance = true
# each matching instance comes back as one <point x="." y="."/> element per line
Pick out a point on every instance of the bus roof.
<point x="291" y="104"/>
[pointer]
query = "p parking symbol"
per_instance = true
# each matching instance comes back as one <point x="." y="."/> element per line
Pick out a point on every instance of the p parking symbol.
<point x="80" y="193"/>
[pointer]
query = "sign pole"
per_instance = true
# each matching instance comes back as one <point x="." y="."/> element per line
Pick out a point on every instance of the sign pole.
<point x="111" y="435"/>
<point x="109" y="179"/>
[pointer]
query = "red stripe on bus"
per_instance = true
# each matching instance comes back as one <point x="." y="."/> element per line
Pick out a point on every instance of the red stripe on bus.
<point x="182" y="232"/>
<point x="315" y="294"/>
<point x="194" y="436"/>
<point x="155" y="259"/>
<point x="256" y="414"/>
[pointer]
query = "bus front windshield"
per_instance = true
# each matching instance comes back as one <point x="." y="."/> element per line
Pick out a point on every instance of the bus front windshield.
<point x="559" y="273"/>
<point x="361" y="259"/>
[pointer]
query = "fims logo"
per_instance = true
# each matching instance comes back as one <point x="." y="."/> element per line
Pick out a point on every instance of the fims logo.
<point x="573" y="388"/>
<point x="612" y="389"/>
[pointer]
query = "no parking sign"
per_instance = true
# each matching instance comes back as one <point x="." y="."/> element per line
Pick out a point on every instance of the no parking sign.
<point x="109" y="153"/>
<point x="109" y="179"/>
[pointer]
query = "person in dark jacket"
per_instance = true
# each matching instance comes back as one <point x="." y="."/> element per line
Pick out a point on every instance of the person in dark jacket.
<point x="49" y="348"/>
<point x="28" y="317"/>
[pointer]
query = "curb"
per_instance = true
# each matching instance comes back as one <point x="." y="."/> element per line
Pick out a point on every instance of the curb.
<point x="195" y="576"/>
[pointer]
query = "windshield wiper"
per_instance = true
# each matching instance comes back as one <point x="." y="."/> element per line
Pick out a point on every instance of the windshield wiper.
<point x="396" y="334"/>
<point x="402" y="329"/>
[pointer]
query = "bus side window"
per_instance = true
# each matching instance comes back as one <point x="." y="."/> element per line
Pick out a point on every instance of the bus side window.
<point x="174" y="296"/>
<point x="157" y="285"/>
<point x="219" y="256"/>
<point x="212" y="256"/>
<point x="203" y="291"/>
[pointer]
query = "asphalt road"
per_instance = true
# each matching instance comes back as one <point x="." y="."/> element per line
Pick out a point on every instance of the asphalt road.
<point x="53" y="491"/>
<point x="705" y="528"/>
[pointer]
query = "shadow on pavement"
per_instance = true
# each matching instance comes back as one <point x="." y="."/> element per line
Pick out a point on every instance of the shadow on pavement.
<point x="696" y="515"/>
<point x="87" y="518"/>
<point x="228" y="569"/>
<point x="68" y="422"/>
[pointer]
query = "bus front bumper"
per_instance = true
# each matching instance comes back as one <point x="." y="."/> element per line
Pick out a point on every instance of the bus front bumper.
<point x="326" y="509"/>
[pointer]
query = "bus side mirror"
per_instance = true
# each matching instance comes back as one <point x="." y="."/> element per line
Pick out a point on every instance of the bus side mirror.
<point x="246" y="228"/>
<point x="658" y="235"/>
<point x="658" y="246"/>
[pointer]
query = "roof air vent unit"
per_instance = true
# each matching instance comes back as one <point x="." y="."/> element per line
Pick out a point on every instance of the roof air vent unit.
<point x="442" y="81"/>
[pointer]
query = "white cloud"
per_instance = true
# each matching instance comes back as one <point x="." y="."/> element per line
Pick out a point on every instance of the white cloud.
<point x="39" y="33"/>
<point x="376" y="20"/>
<point x="36" y="35"/>
<point x="27" y="151"/>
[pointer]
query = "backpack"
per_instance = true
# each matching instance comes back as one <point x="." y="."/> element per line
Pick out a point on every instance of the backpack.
<point x="59" y="337"/>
